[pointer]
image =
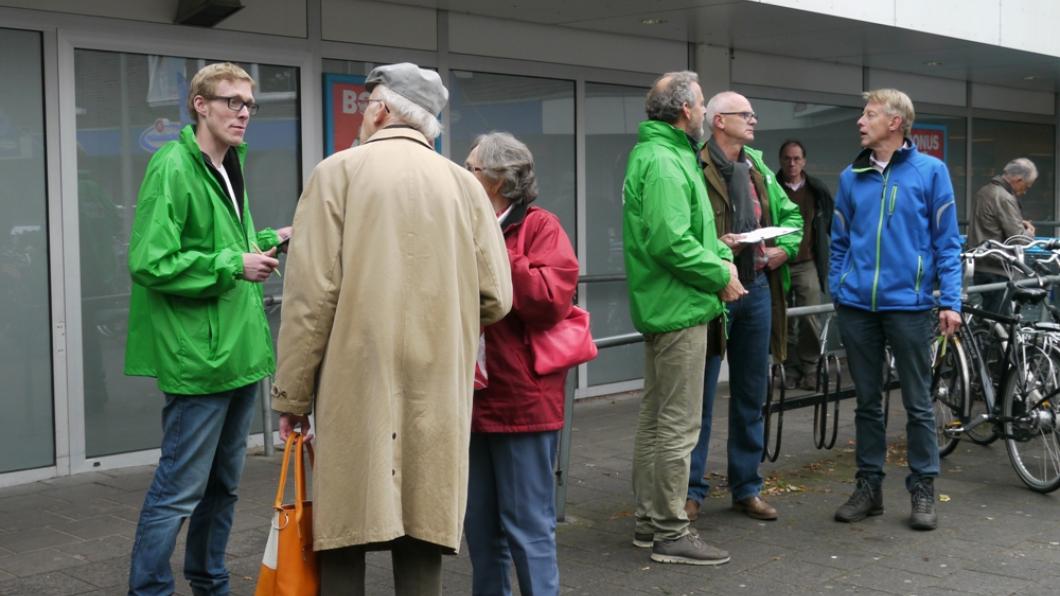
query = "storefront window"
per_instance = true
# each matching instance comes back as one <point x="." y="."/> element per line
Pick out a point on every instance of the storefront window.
<point x="128" y="105"/>
<point x="539" y="112"/>
<point x="612" y="114"/>
<point x="28" y="440"/>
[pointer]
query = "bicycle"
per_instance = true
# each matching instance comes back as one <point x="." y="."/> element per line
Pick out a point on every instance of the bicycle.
<point x="1028" y="415"/>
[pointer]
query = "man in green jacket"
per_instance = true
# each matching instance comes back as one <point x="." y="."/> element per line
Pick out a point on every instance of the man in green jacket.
<point x="678" y="275"/>
<point x="197" y="324"/>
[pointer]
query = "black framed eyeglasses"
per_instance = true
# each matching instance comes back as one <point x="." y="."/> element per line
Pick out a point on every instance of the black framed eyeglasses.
<point x="748" y="116"/>
<point x="236" y="103"/>
<point x="472" y="168"/>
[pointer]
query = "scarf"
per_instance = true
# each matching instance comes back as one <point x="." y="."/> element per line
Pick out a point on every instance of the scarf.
<point x="737" y="176"/>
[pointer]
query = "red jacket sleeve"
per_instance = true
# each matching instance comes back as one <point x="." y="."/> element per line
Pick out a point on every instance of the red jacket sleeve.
<point x="544" y="272"/>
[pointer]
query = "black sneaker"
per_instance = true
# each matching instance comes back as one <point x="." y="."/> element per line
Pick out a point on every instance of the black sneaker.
<point x="922" y="496"/>
<point x="867" y="500"/>
<point x="688" y="550"/>
<point x="643" y="540"/>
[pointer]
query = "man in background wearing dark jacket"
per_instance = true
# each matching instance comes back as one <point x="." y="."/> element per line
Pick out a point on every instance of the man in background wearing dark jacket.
<point x="998" y="216"/>
<point x="809" y="268"/>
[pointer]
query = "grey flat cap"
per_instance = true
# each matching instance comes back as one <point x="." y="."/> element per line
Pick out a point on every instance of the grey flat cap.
<point x="420" y="86"/>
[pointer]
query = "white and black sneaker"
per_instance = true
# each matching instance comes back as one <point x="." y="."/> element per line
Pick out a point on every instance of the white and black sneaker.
<point x="688" y="550"/>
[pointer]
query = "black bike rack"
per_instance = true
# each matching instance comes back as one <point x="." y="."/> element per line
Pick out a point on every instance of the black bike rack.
<point x="829" y="392"/>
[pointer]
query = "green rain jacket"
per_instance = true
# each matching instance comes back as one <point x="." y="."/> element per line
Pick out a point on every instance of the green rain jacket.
<point x="194" y="323"/>
<point x="674" y="260"/>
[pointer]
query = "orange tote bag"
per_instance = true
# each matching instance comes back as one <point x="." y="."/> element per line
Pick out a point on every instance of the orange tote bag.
<point x="289" y="567"/>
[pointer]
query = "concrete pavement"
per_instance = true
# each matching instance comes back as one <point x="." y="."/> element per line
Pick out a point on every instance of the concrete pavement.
<point x="73" y="535"/>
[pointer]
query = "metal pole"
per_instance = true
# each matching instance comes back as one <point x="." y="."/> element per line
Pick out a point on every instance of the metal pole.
<point x="563" y="458"/>
<point x="266" y="416"/>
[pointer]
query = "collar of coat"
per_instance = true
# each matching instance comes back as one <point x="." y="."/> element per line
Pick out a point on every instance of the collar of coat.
<point x="862" y="164"/>
<point x="400" y="132"/>
<point x="1000" y="181"/>
<point x="515" y="217"/>
<point x="717" y="182"/>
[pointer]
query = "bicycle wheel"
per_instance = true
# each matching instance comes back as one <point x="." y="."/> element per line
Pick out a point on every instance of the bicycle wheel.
<point x="991" y="352"/>
<point x="1030" y="427"/>
<point x="949" y="391"/>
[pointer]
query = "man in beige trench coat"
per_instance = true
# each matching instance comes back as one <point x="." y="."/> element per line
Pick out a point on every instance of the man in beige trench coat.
<point x="396" y="262"/>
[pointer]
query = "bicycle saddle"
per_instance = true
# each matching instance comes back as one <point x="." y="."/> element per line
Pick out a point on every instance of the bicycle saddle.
<point x="1029" y="295"/>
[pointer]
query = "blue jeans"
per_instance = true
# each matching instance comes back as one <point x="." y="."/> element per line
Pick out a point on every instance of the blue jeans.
<point x="204" y="446"/>
<point x="511" y="513"/>
<point x="909" y="334"/>
<point x="748" y="353"/>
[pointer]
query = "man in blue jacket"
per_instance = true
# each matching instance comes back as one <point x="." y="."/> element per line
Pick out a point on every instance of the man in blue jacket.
<point x="894" y="237"/>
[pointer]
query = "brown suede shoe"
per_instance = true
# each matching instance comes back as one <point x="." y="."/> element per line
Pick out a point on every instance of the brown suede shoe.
<point x="755" y="507"/>
<point x="692" y="510"/>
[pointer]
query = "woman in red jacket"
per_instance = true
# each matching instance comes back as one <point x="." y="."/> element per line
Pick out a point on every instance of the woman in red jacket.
<point x="516" y="419"/>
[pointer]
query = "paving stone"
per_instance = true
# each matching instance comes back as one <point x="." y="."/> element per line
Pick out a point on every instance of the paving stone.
<point x="110" y="574"/>
<point x="974" y="582"/>
<point x="28" y="519"/>
<point x="101" y="549"/>
<point x="38" y="562"/>
<point x="97" y="527"/>
<point x="47" y="584"/>
<point x="35" y="539"/>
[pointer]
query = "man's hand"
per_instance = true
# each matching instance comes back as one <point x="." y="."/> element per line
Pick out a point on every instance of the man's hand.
<point x="734" y="290"/>
<point x="733" y="242"/>
<point x="776" y="256"/>
<point x="259" y="266"/>
<point x="1028" y="227"/>
<point x="288" y="422"/>
<point x="949" y="322"/>
<point x="285" y="234"/>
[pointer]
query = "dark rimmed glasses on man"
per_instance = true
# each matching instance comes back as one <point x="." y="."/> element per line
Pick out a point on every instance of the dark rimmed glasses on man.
<point x="748" y="116"/>
<point x="237" y="103"/>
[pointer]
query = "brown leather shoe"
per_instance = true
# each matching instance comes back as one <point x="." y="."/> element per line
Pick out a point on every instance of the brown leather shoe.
<point x="755" y="507"/>
<point x="692" y="510"/>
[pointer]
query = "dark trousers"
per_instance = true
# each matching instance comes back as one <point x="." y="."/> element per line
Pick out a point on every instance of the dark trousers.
<point x="417" y="568"/>
<point x="864" y="334"/>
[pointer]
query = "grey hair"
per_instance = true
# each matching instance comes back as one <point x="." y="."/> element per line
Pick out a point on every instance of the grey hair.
<point x="507" y="159"/>
<point x="717" y="104"/>
<point x="410" y="113"/>
<point x="1022" y="168"/>
<point x="665" y="102"/>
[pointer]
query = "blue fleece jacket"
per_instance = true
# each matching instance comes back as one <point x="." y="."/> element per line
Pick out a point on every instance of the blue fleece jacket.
<point x="894" y="235"/>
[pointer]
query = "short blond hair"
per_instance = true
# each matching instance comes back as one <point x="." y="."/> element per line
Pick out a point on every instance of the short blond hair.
<point x="205" y="82"/>
<point x="896" y="103"/>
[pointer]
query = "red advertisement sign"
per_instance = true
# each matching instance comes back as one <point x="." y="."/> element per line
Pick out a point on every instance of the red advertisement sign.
<point x="345" y="100"/>
<point x="930" y="139"/>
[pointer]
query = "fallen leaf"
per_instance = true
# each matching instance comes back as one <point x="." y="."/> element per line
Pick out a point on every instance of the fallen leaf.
<point x="944" y="498"/>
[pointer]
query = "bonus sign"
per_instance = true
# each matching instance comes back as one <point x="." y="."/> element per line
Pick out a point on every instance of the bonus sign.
<point x="930" y="139"/>
<point x="345" y="100"/>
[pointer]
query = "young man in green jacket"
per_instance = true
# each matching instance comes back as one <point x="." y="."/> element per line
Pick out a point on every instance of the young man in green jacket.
<point x="678" y="275"/>
<point x="197" y="324"/>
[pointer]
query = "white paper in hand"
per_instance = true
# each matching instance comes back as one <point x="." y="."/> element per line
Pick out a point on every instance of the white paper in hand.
<point x="767" y="233"/>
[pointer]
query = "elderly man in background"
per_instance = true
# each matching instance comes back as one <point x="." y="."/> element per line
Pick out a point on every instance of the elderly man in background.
<point x="999" y="216"/>
<point x="679" y="274"/>
<point x="399" y="264"/>
<point x="744" y="196"/>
